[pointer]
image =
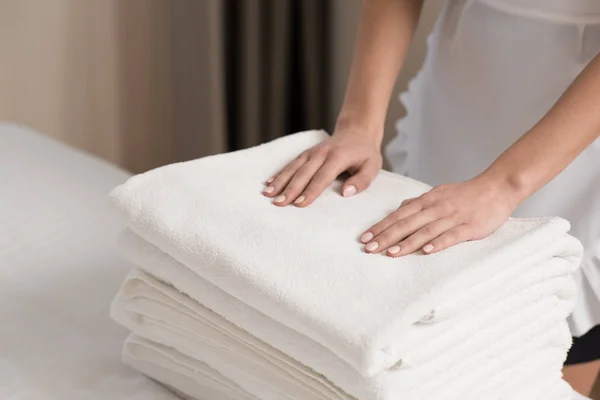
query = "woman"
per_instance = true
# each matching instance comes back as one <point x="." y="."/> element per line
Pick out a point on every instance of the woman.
<point x="502" y="118"/>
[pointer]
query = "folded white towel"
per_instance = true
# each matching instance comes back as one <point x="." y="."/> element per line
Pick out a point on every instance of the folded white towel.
<point x="160" y="313"/>
<point x="438" y="336"/>
<point x="179" y="372"/>
<point x="304" y="267"/>
<point x="183" y="374"/>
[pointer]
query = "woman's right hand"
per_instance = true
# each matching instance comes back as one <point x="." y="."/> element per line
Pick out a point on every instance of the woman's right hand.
<point x="302" y="180"/>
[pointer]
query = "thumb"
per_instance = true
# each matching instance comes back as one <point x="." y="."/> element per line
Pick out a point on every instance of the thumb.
<point x="361" y="179"/>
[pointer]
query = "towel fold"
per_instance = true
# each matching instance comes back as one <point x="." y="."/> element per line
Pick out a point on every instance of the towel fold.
<point x="322" y="286"/>
<point x="160" y="313"/>
<point x="180" y="373"/>
<point x="174" y="369"/>
<point x="558" y="281"/>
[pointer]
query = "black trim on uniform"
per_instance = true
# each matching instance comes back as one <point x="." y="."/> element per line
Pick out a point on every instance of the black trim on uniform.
<point x="585" y="348"/>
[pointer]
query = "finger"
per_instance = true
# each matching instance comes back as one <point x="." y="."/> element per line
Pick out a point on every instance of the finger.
<point x="407" y="201"/>
<point x="401" y="229"/>
<point x="324" y="177"/>
<point x="298" y="183"/>
<point x="361" y="179"/>
<point x="422" y="237"/>
<point x="398" y="215"/>
<point x="447" y="239"/>
<point x="275" y="175"/>
<point x="283" y="178"/>
<point x="429" y="198"/>
<point x="272" y="178"/>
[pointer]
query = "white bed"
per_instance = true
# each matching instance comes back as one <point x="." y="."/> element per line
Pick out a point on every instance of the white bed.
<point x="58" y="273"/>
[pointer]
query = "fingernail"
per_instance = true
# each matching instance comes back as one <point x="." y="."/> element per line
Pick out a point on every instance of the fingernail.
<point x="299" y="200"/>
<point x="270" y="180"/>
<point x="366" y="237"/>
<point x="394" y="250"/>
<point x="349" y="191"/>
<point x="280" y="199"/>
<point x="372" y="246"/>
<point x="427" y="248"/>
<point x="269" y="189"/>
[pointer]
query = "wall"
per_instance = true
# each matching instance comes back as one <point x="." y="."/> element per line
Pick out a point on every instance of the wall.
<point x="58" y="70"/>
<point x="85" y="72"/>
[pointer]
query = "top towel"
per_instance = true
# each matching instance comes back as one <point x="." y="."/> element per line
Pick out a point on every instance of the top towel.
<point x="304" y="267"/>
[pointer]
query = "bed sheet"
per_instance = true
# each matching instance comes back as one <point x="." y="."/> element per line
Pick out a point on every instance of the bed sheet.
<point x="58" y="273"/>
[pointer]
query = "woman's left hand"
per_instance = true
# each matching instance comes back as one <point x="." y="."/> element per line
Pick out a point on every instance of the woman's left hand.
<point x="443" y="217"/>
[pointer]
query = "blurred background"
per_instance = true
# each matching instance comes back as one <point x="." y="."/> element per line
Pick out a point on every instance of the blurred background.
<point x="143" y="83"/>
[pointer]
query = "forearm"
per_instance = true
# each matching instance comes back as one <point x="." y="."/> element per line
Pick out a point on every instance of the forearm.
<point x="571" y="125"/>
<point x="385" y="31"/>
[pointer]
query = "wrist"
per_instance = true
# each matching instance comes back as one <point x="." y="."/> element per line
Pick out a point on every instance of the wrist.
<point x="365" y="127"/>
<point x="512" y="185"/>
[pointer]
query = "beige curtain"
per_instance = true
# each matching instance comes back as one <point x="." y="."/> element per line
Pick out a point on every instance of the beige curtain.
<point x="146" y="82"/>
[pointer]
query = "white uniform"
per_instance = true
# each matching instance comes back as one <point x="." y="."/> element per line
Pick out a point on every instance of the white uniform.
<point x="493" y="69"/>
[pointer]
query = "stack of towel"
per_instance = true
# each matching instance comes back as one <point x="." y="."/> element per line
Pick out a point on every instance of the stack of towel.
<point x="235" y="298"/>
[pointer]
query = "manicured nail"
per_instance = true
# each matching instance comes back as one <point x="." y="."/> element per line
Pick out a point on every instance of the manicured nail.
<point x="270" y="180"/>
<point x="269" y="189"/>
<point x="372" y="246"/>
<point x="280" y="199"/>
<point x="349" y="191"/>
<point x="427" y="248"/>
<point x="394" y="250"/>
<point x="299" y="200"/>
<point x="366" y="237"/>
